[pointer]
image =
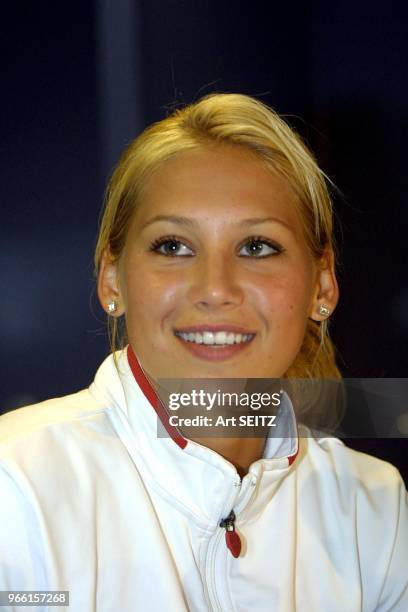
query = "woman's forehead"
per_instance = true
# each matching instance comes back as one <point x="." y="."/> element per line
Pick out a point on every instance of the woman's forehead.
<point x="217" y="181"/>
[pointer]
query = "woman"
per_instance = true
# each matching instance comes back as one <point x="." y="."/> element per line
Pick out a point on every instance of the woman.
<point x="216" y="249"/>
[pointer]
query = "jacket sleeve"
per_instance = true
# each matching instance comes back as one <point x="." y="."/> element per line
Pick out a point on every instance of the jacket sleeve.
<point x="21" y="555"/>
<point x="394" y="594"/>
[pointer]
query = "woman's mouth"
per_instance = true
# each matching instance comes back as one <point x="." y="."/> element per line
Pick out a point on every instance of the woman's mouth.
<point x="214" y="345"/>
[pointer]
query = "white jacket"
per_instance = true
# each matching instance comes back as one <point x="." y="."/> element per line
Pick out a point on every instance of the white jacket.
<point x="93" y="502"/>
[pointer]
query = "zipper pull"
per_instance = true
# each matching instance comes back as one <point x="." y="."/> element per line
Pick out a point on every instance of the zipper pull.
<point x="232" y="539"/>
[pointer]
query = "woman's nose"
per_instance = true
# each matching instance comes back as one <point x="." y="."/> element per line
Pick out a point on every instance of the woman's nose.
<point x="215" y="282"/>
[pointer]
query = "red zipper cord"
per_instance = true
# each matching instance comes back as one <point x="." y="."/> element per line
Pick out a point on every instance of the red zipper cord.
<point x="232" y="539"/>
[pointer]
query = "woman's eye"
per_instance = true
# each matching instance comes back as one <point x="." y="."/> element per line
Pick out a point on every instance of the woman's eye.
<point x="254" y="247"/>
<point x="171" y="247"/>
<point x="258" y="248"/>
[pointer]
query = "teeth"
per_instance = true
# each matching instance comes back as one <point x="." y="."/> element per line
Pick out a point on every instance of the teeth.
<point x="208" y="338"/>
<point x="215" y="338"/>
<point x="221" y="338"/>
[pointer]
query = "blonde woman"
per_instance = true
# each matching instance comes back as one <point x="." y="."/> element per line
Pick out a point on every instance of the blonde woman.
<point x="216" y="254"/>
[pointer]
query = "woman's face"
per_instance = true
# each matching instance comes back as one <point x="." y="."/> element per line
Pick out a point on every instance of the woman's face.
<point x="215" y="278"/>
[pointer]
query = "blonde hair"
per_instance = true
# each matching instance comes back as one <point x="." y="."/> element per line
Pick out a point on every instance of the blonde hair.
<point x="239" y="120"/>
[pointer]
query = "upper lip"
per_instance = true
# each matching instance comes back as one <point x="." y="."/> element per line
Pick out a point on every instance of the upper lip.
<point x="236" y="329"/>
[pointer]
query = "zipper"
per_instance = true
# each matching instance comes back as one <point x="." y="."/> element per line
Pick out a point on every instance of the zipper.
<point x="232" y="539"/>
<point x="213" y="547"/>
<point x="209" y="580"/>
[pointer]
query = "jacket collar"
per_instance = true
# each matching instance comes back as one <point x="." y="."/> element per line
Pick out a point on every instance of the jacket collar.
<point x="192" y="477"/>
<point x="285" y="445"/>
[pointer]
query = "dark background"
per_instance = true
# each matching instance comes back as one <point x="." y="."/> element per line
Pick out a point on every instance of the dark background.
<point x="80" y="80"/>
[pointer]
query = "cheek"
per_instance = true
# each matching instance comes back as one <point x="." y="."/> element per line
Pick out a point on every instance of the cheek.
<point x="285" y="296"/>
<point x="150" y="296"/>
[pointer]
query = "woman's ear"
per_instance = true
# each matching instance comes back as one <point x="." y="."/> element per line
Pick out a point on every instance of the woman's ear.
<point x="326" y="293"/>
<point x="108" y="285"/>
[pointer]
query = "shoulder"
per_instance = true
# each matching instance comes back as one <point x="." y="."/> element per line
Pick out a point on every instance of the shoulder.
<point x="104" y="392"/>
<point x="366" y="499"/>
<point x="38" y="443"/>
<point x="42" y="460"/>
<point x="354" y="483"/>
<point x="57" y="427"/>
<point x="360" y="470"/>
<point x="361" y="488"/>
<point x="34" y="419"/>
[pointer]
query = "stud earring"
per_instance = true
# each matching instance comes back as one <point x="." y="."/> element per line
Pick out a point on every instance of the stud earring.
<point x="112" y="306"/>
<point x="323" y="310"/>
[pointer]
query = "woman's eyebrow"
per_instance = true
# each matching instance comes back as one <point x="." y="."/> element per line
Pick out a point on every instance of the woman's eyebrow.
<point x="186" y="221"/>
<point x="258" y="220"/>
<point x="172" y="219"/>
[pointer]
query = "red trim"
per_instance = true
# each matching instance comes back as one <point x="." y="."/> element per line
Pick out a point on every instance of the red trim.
<point x="293" y="457"/>
<point x="151" y="395"/>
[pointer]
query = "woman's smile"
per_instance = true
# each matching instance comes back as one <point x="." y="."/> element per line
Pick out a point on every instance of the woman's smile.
<point x="214" y="343"/>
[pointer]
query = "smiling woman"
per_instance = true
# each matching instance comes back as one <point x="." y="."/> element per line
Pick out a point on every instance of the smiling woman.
<point x="216" y="253"/>
<point x="230" y="155"/>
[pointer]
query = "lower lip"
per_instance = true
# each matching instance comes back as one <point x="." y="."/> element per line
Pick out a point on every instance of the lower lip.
<point x="214" y="352"/>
